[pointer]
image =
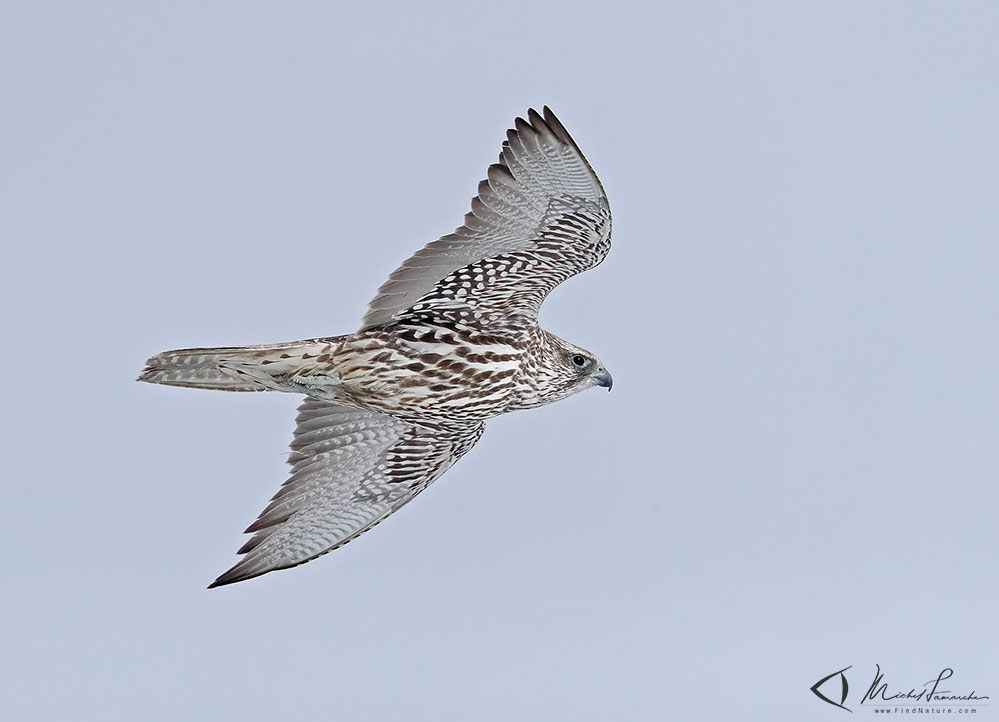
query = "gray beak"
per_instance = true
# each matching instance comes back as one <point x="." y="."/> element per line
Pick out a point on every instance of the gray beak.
<point x="603" y="378"/>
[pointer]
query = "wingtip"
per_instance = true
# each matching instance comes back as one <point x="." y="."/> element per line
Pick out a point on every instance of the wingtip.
<point x="544" y="123"/>
<point x="558" y="129"/>
<point x="225" y="580"/>
<point x="241" y="572"/>
<point x="229" y="576"/>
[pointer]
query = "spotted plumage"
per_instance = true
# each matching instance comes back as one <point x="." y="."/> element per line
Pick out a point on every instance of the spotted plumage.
<point x="450" y="340"/>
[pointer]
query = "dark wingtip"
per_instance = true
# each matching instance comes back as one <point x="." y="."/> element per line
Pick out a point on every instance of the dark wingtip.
<point x="225" y="579"/>
<point x="558" y="129"/>
<point x="239" y="574"/>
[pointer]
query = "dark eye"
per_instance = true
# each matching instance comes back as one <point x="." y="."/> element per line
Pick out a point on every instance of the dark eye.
<point x="579" y="360"/>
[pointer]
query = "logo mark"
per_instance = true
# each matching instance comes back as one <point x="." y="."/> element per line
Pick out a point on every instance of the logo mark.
<point x="844" y="688"/>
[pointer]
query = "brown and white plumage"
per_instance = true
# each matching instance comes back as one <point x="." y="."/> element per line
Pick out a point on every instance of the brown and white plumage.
<point x="351" y="468"/>
<point x="450" y="340"/>
<point x="540" y="217"/>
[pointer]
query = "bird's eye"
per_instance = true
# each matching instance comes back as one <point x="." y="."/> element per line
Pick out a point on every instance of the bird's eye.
<point x="579" y="360"/>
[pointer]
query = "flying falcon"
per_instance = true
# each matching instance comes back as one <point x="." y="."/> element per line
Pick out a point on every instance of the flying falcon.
<point x="451" y="339"/>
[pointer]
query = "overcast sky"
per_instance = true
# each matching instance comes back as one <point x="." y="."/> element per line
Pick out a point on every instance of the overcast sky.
<point x="796" y="469"/>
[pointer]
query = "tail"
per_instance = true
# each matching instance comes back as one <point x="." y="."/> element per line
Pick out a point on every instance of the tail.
<point x="234" y="368"/>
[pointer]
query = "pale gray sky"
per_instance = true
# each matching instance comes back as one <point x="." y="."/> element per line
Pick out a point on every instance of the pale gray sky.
<point x="796" y="470"/>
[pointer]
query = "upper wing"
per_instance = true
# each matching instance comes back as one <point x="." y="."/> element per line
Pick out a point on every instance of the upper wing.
<point x="540" y="217"/>
<point x="350" y="469"/>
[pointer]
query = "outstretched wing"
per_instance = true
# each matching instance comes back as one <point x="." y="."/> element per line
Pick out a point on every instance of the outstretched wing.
<point x="350" y="469"/>
<point x="540" y="217"/>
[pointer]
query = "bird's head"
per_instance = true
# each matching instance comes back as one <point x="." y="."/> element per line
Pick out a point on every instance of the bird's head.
<point x="568" y="369"/>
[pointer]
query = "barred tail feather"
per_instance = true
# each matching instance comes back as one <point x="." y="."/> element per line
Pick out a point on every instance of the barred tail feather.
<point x="232" y="368"/>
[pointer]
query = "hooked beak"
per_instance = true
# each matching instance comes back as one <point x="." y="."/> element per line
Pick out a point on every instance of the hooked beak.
<point x="602" y="378"/>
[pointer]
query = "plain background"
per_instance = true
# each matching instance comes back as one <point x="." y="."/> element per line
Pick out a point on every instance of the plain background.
<point x="796" y="470"/>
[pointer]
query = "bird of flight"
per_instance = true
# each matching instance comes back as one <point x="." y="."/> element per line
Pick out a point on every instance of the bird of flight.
<point x="451" y="339"/>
